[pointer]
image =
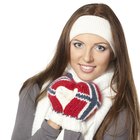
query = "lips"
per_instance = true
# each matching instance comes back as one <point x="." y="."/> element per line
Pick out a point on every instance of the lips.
<point x="87" y="68"/>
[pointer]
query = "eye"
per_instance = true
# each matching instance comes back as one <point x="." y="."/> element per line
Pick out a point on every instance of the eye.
<point x="78" y="44"/>
<point x="99" y="47"/>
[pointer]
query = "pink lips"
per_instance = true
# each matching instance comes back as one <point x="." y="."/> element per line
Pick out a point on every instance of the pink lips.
<point x="87" y="68"/>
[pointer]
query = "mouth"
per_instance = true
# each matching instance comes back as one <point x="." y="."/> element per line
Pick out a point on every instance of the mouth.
<point x="87" y="68"/>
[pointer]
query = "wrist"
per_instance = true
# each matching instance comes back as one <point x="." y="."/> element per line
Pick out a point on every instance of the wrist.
<point x="53" y="124"/>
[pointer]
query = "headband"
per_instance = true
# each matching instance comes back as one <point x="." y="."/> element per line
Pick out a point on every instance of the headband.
<point x="94" y="25"/>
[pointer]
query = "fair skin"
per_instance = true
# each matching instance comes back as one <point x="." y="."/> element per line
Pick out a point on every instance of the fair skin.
<point x="90" y="56"/>
<point x="53" y="125"/>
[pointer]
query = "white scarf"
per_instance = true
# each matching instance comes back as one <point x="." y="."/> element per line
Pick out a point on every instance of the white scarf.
<point x="103" y="82"/>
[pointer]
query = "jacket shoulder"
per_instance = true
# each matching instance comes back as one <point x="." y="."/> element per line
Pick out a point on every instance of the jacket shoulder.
<point x="120" y="126"/>
<point x="31" y="91"/>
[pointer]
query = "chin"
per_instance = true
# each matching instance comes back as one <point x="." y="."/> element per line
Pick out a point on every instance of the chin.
<point x="86" y="78"/>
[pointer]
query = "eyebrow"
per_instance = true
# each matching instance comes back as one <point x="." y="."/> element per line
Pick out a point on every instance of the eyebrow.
<point x="94" y="43"/>
<point x="77" y="40"/>
<point x="102" y="43"/>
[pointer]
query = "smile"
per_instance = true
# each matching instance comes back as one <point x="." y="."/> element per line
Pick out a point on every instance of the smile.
<point x="87" y="68"/>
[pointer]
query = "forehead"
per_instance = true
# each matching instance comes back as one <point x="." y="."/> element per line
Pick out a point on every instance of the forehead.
<point x="86" y="37"/>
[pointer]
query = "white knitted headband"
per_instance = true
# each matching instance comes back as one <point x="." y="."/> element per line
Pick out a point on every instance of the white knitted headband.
<point x="94" y="25"/>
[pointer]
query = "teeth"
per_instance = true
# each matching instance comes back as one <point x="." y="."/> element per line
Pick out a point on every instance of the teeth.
<point x="87" y="68"/>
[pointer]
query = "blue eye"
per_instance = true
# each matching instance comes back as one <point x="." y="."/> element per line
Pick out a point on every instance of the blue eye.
<point x="78" y="44"/>
<point x="100" y="47"/>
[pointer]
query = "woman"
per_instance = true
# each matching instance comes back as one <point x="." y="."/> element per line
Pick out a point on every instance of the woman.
<point x="87" y="91"/>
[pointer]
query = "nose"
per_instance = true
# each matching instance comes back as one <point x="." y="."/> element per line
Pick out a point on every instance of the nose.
<point x="88" y="55"/>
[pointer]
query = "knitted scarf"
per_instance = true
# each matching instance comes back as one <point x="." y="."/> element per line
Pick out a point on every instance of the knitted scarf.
<point x="44" y="108"/>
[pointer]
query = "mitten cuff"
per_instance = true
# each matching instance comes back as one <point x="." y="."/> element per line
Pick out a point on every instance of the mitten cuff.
<point x="73" y="124"/>
<point x="67" y="122"/>
<point x="55" y="117"/>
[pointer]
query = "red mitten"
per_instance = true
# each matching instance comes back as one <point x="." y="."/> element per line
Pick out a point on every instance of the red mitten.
<point x="73" y="102"/>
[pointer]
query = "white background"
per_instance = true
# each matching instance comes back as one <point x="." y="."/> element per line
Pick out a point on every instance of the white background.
<point x="29" y="31"/>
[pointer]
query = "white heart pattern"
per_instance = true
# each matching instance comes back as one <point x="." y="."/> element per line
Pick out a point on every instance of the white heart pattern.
<point x="65" y="95"/>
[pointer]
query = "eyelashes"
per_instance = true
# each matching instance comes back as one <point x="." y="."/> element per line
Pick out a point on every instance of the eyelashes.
<point x="78" y="44"/>
<point x="98" y="47"/>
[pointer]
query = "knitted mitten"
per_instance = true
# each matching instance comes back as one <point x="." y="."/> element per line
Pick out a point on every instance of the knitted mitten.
<point x="73" y="102"/>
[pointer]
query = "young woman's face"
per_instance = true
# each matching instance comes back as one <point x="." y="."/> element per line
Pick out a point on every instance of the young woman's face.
<point x="89" y="56"/>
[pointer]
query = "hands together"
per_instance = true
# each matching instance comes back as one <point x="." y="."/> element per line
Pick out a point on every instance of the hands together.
<point x="73" y="102"/>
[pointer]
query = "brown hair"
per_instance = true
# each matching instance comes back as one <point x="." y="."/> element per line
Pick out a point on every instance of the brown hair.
<point x="126" y="93"/>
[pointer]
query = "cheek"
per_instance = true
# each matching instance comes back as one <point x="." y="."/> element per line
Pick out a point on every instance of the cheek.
<point x="103" y="60"/>
<point x="74" y="54"/>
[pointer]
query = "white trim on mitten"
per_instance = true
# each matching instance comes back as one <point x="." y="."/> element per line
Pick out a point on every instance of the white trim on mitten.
<point x="55" y="117"/>
<point x="67" y="122"/>
<point x="73" y="124"/>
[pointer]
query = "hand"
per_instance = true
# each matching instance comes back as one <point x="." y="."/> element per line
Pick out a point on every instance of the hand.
<point x="74" y="102"/>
